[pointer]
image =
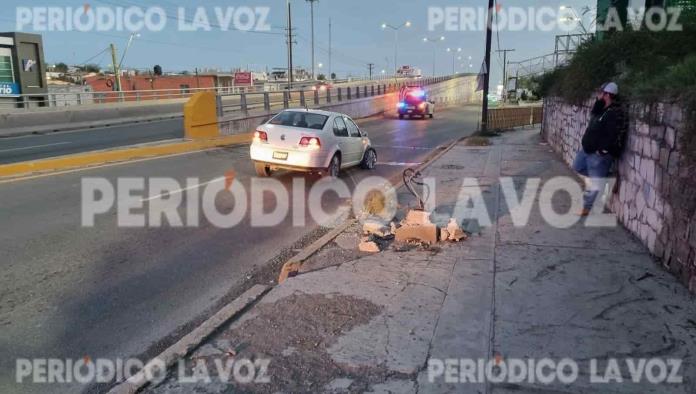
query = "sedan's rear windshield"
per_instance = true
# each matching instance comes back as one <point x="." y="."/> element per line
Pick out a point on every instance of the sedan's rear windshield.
<point x="306" y="120"/>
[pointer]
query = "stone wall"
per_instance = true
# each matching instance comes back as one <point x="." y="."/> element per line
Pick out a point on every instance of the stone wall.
<point x="656" y="198"/>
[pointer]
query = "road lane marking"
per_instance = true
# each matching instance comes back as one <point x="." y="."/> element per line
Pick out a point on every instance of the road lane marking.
<point x="120" y="163"/>
<point x="196" y="186"/>
<point x="33" y="147"/>
<point x="398" y="164"/>
<point x="403" y="147"/>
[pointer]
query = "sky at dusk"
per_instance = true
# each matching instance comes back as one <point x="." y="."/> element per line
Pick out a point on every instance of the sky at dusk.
<point x="357" y="37"/>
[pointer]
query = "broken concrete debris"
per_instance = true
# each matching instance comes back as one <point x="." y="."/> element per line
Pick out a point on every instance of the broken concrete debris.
<point x="368" y="246"/>
<point x="455" y="233"/>
<point x="417" y="227"/>
<point x="376" y="228"/>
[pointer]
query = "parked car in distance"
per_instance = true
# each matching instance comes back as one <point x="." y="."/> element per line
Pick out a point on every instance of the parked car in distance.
<point x="310" y="140"/>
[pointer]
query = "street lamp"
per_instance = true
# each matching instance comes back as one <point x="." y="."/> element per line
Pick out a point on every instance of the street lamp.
<point x="454" y="54"/>
<point x="117" y="66"/>
<point x="130" y="41"/>
<point x="575" y="17"/>
<point x="396" y="38"/>
<point x="433" y="41"/>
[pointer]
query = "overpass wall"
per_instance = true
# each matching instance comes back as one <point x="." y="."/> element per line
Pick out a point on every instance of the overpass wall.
<point x="454" y="91"/>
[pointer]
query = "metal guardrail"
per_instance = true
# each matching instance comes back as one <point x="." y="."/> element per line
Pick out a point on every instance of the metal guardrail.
<point x="67" y="99"/>
<point x="508" y="117"/>
<point x="270" y="101"/>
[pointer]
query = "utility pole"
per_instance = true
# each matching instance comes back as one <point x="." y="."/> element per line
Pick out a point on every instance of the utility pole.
<point x="311" y="7"/>
<point x="115" y="65"/>
<point x="289" y="38"/>
<point x="487" y="66"/>
<point x="370" y="66"/>
<point x="505" y="51"/>
<point x="330" y="74"/>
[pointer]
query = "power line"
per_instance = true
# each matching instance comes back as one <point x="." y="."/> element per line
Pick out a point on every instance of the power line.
<point x="93" y="57"/>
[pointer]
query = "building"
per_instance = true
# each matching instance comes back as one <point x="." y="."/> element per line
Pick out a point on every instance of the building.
<point x="172" y="86"/>
<point x="22" y="70"/>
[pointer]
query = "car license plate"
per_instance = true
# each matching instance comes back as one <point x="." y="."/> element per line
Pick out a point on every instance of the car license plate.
<point x="280" y="155"/>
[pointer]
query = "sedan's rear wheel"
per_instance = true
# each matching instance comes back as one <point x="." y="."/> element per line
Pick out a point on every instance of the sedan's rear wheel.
<point x="334" y="167"/>
<point x="262" y="169"/>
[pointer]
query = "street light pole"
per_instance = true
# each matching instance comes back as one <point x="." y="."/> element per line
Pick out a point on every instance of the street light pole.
<point x="487" y="68"/>
<point x="454" y="54"/>
<point x="311" y="8"/>
<point x="434" y="41"/>
<point x="117" y="66"/>
<point x="505" y="51"/>
<point x="396" y="39"/>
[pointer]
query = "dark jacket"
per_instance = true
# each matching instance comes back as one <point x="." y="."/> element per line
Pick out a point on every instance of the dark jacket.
<point x="603" y="131"/>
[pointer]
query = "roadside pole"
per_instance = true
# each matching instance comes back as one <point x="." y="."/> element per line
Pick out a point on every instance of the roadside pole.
<point x="117" y="72"/>
<point x="487" y="61"/>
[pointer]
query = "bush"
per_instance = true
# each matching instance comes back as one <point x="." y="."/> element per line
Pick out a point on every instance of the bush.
<point x="632" y="58"/>
<point x="648" y="66"/>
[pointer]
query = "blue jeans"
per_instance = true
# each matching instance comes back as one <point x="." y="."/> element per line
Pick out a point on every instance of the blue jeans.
<point x="596" y="167"/>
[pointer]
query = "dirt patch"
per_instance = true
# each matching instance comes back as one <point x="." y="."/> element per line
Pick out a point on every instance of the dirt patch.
<point x="331" y="255"/>
<point x="295" y="333"/>
<point x="477" y="141"/>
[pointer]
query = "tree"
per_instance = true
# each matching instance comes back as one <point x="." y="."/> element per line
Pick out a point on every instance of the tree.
<point x="157" y="70"/>
<point x="321" y="77"/>
<point x="61" y="67"/>
<point x="91" y="68"/>
<point x="333" y="75"/>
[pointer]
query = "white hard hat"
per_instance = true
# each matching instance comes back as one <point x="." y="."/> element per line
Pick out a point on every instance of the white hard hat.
<point x="611" y="88"/>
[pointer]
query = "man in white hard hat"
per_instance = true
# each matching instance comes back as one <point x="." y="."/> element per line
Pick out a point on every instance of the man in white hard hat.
<point x="601" y="143"/>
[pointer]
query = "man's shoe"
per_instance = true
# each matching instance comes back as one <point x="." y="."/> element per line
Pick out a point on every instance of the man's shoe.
<point x="584" y="212"/>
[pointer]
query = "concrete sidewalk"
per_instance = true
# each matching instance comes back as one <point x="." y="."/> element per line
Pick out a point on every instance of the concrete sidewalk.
<point x="378" y="323"/>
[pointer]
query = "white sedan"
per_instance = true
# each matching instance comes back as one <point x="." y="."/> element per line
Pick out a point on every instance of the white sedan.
<point x="310" y="141"/>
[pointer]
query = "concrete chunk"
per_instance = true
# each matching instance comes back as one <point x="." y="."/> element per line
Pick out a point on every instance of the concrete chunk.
<point x="455" y="232"/>
<point x="416" y="217"/>
<point x="368" y="246"/>
<point x="424" y="233"/>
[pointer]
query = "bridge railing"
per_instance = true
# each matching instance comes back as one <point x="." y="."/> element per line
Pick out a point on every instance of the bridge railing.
<point x="77" y="98"/>
<point x="313" y="96"/>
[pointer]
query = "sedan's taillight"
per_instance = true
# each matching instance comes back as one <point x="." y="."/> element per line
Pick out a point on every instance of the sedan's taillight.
<point x="310" y="142"/>
<point x="260" y="136"/>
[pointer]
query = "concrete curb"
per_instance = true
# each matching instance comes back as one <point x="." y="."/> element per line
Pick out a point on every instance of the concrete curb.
<point x="189" y="341"/>
<point x="292" y="267"/>
<point x="94" y="158"/>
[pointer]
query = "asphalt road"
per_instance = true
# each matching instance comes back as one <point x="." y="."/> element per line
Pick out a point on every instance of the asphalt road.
<point x="41" y="146"/>
<point x="68" y="291"/>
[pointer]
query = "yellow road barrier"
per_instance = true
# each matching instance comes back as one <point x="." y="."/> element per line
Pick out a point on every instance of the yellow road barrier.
<point x="117" y="155"/>
<point x="200" y="116"/>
